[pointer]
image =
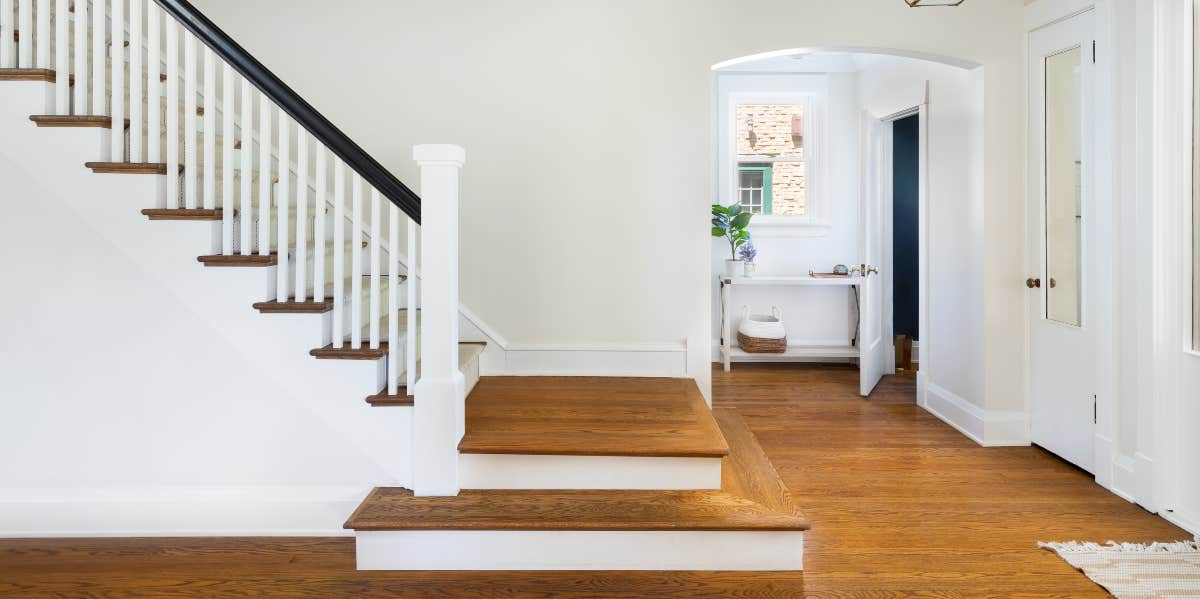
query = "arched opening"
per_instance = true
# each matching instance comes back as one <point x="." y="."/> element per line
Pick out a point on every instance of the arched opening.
<point x="866" y="158"/>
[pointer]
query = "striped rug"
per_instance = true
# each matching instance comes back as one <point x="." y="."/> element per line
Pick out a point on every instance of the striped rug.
<point x="1132" y="571"/>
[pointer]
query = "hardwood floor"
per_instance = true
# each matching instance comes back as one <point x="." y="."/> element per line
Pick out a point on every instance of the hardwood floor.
<point x="902" y="506"/>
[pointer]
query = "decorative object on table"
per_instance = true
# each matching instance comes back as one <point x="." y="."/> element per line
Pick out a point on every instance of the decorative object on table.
<point x="827" y="275"/>
<point x="1129" y="570"/>
<point x="748" y="253"/>
<point x="842" y="270"/>
<point x="730" y="223"/>
<point x="762" y="333"/>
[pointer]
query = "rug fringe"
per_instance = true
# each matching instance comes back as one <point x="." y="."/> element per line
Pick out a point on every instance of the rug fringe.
<point x="1114" y="547"/>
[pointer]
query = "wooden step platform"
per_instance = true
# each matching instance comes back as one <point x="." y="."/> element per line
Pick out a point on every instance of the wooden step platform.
<point x="45" y="75"/>
<point x="294" y="307"/>
<point x="523" y="529"/>
<point x="591" y="416"/>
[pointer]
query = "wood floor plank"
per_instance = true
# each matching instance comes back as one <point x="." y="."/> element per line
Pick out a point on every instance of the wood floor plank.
<point x="604" y="416"/>
<point x="902" y="506"/>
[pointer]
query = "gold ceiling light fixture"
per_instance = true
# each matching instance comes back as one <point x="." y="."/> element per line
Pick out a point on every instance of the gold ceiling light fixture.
<point x="922" y="3"/>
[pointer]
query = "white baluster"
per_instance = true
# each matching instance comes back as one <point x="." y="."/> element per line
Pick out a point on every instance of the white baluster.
<point x="394" y="355"/>
<point x="282" y="210"/>
<point x="117" y="51"/>
<point x="8" y="50"/>
<point x="80" y="58"/>
<point x="153" y="83"/>
<point x="43" y="34"/>
<point x="228" y="203"/>
<point x="411" y="304"/>
<point x="339" y="257"/>
<point x="246" y="218"/>
<point x="375" y="282"/>
<point x="25" y="45"/>
<point x="320" y="206"/>
<point x="172" y="112"/>
<point x="191" y="159"/>
<point x="62" y="57"/>
<point x="210" y="129"/>
<point x="301" y="214"/>
<point x="99" y="54"/>
<point x="438" y="417"/>
<point x="265" y="115"/>
<point x="356" y="234"/>
<point x="136" y="79"/>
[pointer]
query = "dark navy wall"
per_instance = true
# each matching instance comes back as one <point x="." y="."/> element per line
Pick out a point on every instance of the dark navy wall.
<point x="905" y="225"/>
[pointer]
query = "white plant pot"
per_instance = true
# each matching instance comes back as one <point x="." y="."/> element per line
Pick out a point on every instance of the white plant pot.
<point x="735" y="268"/>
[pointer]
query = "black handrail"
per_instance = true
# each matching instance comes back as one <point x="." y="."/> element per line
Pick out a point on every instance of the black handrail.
<point x="295" y="106"/>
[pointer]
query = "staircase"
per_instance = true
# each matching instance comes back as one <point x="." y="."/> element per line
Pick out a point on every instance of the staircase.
<point x="289" y="219"/>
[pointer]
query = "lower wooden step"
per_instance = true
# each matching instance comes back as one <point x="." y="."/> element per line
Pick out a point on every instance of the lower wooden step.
<point x="346" y="352"/>
<point x="183" y="214"/>
<point x="74" y="120"/>
<point x="46" y="75"/>
<point x="294" y="307"/>
<point x="129" y="168"/>
<point x="749" y="524"/>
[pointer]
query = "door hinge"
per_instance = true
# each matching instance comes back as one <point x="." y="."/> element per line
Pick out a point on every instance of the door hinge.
<point x="1095" y="411"/>
<point x="1093" y="51"/>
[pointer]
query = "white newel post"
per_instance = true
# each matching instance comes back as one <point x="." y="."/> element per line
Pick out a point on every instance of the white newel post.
<point x="438" y="418"/>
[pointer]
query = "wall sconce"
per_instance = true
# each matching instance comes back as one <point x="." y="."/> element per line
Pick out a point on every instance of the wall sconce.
<point x="920" y="3"/>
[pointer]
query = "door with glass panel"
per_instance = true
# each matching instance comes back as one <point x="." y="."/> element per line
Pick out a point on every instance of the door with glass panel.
<point x="1059" y="285"/>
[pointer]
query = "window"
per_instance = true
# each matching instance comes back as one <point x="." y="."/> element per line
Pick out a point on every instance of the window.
<point x="754" y="188"/>
<point x="771" y="161"/>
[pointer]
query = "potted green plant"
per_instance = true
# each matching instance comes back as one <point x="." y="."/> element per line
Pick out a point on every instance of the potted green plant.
<point x="730" y="222"/>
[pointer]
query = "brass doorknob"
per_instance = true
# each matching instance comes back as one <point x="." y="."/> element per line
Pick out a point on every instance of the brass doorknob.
<point x="871" y="270"/>
<point x="1033" y="283"/>
<point x="1053" y="283"/>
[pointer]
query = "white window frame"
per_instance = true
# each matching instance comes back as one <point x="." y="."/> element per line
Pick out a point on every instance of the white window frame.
<point x="808" y="90"/>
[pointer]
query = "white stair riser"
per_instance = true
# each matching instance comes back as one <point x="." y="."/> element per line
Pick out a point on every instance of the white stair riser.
<point x="581" y="550"/>
<point x="498" y="471"/>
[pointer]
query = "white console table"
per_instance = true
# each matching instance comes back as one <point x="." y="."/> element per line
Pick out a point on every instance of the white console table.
<point x="730" y="350"/>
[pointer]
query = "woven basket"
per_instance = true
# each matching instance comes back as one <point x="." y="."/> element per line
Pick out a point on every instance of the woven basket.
<point x="758" y="345"/>
<point x="761" y="333"/>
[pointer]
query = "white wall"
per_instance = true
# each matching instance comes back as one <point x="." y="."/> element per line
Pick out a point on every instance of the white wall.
<point x="953" y="347"/>
<point x="587" y="187"/>
<point x="141" y="392"/>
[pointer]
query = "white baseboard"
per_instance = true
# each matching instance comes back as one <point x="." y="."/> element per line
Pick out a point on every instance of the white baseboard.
<point x="495" y="471"/>
<point x="989" y="428"/>
<point x="1186" y="521"/>
<point x="177" y="511"/>
<point x="1124" y="478"/>
<point x="758" y="551"/>
<point x="668" y="360"/>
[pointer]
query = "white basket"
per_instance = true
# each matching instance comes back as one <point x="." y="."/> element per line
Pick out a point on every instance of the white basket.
<point x="763" y="326"/>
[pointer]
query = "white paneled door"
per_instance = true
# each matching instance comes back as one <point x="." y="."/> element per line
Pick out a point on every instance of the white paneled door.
<point x="873" y="345"/>
<point x="1059" y="283"/>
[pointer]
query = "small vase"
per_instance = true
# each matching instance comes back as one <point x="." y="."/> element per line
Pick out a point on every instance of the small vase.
<point x="735" y="268"/>
<point x="749" y="268"/>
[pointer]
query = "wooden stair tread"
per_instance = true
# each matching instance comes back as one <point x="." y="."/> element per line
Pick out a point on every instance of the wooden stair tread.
<point x="294" y="307"/>
<point x="254" y="260"/>
<point x="747" y="472"/>
<point x="183" y="214"/>
<point x="129" y="168"/>
<point x="74" y="120"/>
<point x="597" y="416"/>
<point x="329" y="352"/>
<point x="468" y="351"/>
<point x="391" y="508"/>
<point x="46" y="75"/>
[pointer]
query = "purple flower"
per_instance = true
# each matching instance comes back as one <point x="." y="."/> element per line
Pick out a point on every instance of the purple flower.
<point x="748" y="252"/>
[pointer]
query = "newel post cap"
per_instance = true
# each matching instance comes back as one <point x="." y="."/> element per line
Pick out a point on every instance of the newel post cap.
<point x="439" y="154"/>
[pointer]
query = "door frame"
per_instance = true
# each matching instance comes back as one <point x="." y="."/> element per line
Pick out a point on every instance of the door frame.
<point x="909" y="102"/>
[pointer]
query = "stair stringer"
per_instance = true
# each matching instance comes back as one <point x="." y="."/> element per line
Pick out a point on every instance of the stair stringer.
<point x="244" y="365"/>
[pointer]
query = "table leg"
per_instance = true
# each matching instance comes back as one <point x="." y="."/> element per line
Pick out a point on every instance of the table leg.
<point x="726" y="324"/>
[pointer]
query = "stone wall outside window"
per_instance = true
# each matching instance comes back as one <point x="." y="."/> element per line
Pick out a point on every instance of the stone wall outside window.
<point x="770" y="141"/>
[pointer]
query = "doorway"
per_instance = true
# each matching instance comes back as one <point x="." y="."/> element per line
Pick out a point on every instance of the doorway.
<point x="1061" y="290"/>
<point x="905" y="260"/>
